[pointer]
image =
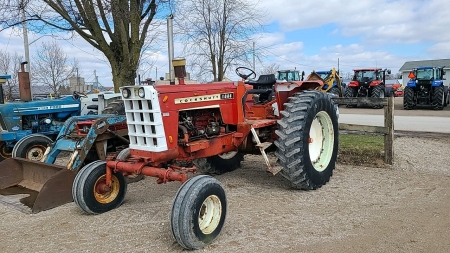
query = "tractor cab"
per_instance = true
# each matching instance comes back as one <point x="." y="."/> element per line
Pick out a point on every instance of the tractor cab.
<point x="427" y="74"/>
<point x="290" y="75"/>
<point x="366" y="76"/>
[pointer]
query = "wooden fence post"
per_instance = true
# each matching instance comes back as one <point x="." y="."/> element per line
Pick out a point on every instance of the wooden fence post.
<point x="389" y="135"/>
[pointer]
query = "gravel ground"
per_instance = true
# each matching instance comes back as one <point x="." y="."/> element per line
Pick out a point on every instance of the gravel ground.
<point x="399" y="209"/>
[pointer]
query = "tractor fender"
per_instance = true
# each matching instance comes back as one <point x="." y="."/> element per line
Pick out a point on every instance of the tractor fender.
<point x="376" y="83"/>
<point x="353" y="84"/>
<point x="437" y="83"/>
<point x="411" y="83"/>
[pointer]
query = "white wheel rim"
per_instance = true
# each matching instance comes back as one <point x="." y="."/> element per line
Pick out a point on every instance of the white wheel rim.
<point x="209" y="215"/>
<point x="35" y="154"/>
<point x="228" y="155"/>
<point x="321" y="141"/>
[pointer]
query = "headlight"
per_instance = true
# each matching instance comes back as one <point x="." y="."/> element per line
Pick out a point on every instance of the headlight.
<point x="126" y="93"/>
<point x="141" y="92"/>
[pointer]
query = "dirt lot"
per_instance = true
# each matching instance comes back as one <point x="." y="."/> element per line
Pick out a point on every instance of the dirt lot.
<point x="400" y="209"/>
<point x="404" y="208"/>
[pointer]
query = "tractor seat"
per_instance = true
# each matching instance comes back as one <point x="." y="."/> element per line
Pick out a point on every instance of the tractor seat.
<point x="263" y="82"/>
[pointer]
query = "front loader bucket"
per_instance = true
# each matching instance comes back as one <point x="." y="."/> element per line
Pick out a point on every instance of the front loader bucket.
<point x="34" y="186"/>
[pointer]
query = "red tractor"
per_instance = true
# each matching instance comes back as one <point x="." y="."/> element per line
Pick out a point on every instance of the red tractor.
<point x="179" y="130"/>
<point x="369" y="82"/>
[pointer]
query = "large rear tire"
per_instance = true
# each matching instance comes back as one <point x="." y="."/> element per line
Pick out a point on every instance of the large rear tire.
<point x="198" y="212"/>
<point x="219" y="164"/>
<point x="408" y="98"/>
<point x="308" y="138"/>
<point x="350" y="93"/>
<point x="438" y="98"/>
<point x="31" y="147"/>
<point x="90" y="192"/>
<point x="378" y="92"/>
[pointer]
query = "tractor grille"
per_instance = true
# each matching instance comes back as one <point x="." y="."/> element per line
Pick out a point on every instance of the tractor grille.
<point x="144" y="119"/>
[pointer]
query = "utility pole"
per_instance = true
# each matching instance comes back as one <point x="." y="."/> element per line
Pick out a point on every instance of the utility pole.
<point x="254" y="65"/>
<point x="96" y="80"/>
<point x="25" y="40"/>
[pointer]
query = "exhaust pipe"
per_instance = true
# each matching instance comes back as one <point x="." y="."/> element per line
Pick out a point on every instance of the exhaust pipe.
<point x="24" y="83"/>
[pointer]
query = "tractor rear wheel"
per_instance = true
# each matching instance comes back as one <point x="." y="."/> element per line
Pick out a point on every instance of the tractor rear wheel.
<point x="307" y="140"/>
<point x="198" y="212"/>
<point x="408" y="98"/>
<point x="31" y="147"/>
<point x="378" y="92"/>
<point x="438" y="98"/>
<point x="350" y="93"/>
<point x="219" y="164"/>
<point x="90" y="192"/>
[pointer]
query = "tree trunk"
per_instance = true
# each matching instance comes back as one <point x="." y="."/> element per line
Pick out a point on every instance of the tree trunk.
<point x="123" y="74"/>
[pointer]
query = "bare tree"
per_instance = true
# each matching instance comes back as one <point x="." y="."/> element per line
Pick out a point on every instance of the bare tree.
<point x="271" y="69"/>
<point x="10" y="65"/>
<point x="216" y="34"/>
<point x="52" y="67"/>
<point x="116" y="28"/>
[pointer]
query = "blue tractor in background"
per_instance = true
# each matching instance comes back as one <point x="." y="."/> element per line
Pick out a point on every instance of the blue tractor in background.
<point x="426" y="88"/>
<point x="41" y="119"/>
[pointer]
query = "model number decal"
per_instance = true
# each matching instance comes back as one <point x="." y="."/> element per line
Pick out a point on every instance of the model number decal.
<point x="212" y="97"/>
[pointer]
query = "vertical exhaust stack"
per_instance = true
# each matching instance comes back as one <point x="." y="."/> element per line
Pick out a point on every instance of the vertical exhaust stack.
<point x="179" y="66"/>
<point x="170" y="48"/>
<point x="24" y="83"/>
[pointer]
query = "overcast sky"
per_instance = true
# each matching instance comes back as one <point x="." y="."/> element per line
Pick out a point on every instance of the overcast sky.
<point x="307" y="35"/>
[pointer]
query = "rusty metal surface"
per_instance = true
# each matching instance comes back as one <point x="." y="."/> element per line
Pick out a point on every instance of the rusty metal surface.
<point x="24" y="86"/>
<point x="51" y="183"/>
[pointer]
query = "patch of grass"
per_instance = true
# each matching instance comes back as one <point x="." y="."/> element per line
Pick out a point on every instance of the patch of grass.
<point x="356" y="149"/>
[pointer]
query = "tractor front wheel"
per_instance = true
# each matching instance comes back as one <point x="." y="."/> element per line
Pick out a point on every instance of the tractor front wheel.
<point x="91" y="193"/>
<point x="336" y="91"/>
<point x="219" y="164"/>
<point x="198" y="212"/>
<point x="350" y="93"/>
<point x="308" y="138"/>
<point x="31" y="147"/>
<point x="378" y="92"/>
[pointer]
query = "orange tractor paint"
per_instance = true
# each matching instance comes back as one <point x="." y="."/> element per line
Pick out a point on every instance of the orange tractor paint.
<point x="367" y="82"/>
<point x="178" y="131"/>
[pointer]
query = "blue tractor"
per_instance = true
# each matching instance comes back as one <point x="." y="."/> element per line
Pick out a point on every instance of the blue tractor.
<point x="41" y="119"/>
<point x="426" y="88"/>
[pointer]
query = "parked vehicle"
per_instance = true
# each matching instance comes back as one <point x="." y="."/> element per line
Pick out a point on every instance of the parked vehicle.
<point x="176" y="131"/>
<point x="426" y="88"/>
<point x="331" y="79"/>
<point x="367" y="82"/>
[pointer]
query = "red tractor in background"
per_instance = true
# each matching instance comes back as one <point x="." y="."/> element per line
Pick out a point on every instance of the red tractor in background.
<point x="179" y="130"/>
<point x="367" y="82"/>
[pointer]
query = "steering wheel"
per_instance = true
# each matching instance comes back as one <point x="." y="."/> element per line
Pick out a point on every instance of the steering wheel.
<point x="77" y="95"/>
<point x="241" y="72"/>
